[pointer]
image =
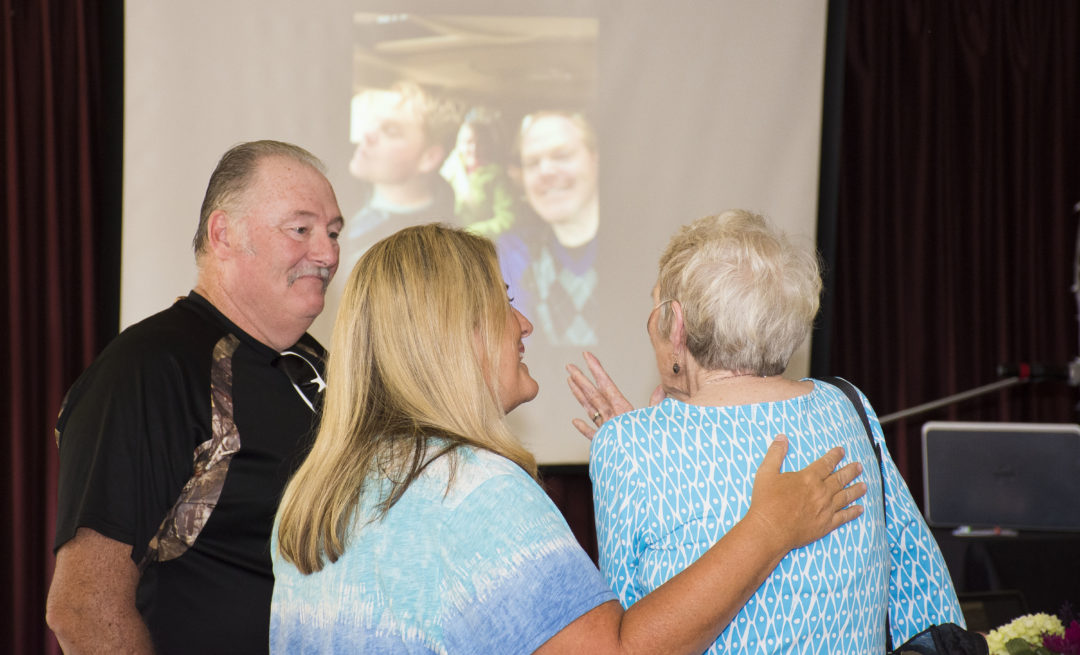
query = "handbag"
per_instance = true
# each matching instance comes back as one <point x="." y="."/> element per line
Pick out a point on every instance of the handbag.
<point x="943" y="639"/>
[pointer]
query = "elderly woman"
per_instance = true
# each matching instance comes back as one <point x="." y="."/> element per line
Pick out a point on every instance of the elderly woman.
<point x="416" y="523"/>
<point x="733" y="301"/>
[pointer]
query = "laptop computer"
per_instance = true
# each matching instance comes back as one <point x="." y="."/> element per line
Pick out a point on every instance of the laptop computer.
<point x="1020" y="476"/>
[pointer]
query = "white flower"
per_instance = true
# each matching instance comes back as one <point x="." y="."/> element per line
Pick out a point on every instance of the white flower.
<point x="1030" y="628"/>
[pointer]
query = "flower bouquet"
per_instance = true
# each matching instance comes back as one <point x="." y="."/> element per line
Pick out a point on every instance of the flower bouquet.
<point x="1038" y="634"/>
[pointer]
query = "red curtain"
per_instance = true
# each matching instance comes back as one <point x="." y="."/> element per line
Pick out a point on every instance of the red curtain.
<point x="956" y="221"/>
<point x="58" y="106"/>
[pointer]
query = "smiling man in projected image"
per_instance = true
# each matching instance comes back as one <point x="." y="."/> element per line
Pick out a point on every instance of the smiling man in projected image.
<point x="551" y="267"/>
<point x="559" y="169"/>
<point x="176" y="443"/>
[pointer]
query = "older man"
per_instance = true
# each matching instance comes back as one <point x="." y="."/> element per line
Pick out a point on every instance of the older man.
<point x="176" y="442"/>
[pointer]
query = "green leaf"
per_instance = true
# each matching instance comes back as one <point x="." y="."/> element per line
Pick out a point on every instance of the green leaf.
<point x="1019" y="647"/>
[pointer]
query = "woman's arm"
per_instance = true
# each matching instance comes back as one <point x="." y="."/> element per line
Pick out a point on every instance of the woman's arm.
<point x="689" y="611"/>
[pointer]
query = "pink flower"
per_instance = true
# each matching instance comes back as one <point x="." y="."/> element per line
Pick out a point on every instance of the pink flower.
<point x="1072" y="634"/>
<point x="1068" y="644"/>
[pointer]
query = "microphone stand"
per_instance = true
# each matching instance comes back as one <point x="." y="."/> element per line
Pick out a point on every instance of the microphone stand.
<point x="955" y="398"/>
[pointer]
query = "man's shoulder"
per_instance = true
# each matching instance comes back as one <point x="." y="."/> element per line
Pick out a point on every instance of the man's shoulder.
<point x="159" y="347"/>
<point x="178" y="329"/>
<point x="155" y="360"/>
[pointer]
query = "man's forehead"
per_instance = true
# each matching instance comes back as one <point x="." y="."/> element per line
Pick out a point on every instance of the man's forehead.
<point x="551" y="131"/>
<point x="383" y="104"/>
<point x="290" y="184"/>
<point x="273" y="169"/>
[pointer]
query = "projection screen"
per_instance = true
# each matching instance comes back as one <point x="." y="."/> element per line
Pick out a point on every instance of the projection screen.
<point x="666" y="111"/>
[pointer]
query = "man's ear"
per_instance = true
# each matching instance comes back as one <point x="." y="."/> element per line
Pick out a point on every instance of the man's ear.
<point x="222" y="237"/>
<point x="431" y="158"/>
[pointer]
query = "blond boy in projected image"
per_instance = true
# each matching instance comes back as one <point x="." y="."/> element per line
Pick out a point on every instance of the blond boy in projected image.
<point x="403" y="135"/>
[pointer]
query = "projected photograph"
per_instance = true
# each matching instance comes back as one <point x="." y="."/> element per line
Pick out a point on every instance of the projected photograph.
<point x="484" y="122"/>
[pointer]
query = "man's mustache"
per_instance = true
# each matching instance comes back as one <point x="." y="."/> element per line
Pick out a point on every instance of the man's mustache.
<point x="314" y="271"/>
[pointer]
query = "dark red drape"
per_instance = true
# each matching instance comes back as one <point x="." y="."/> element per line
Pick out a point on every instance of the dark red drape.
<point x="956" y="221"/>
<point x="58" y="110"/>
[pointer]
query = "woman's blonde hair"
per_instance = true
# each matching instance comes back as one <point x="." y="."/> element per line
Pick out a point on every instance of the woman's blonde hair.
<point x="417" y="335"/>
<point x="749" y="294"/>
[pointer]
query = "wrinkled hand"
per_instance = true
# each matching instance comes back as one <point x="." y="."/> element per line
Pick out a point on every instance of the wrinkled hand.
<point x="803" y="506"/>
<point x="601" y="400"/>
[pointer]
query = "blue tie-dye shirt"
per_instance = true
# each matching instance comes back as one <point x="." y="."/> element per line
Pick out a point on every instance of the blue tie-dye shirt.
<point x="488" y="567"/>
<point x="670" y="480"/>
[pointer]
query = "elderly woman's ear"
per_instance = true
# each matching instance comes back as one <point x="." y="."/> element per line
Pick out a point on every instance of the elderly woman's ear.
<point x="676" y="335"/>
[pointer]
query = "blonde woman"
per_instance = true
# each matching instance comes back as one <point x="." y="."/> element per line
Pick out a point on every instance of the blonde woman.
<point x="416" y="523"/>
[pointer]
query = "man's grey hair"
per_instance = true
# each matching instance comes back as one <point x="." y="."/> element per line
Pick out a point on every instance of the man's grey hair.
<point x="235" y="173"/>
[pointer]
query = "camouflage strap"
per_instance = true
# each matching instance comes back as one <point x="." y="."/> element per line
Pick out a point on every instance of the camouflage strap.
<point x="183" y="523"/>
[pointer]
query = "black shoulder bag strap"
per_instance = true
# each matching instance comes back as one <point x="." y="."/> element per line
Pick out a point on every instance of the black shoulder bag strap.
<point x="853" y="395"/>
<point x="940" y="639"/>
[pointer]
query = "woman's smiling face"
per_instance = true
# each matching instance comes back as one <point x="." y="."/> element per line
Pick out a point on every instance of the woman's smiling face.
<point x="516" y="386"/>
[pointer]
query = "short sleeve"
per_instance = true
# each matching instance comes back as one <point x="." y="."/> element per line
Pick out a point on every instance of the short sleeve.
<point x="98" y="455"/>
<point x="125" y="439"/>
<point x="521" y="576"/>
<point x="921" y="591"/>
<point x="615" y="474"/>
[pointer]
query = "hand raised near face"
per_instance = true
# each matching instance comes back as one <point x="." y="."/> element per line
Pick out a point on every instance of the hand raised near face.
<point x="600" y="400"/>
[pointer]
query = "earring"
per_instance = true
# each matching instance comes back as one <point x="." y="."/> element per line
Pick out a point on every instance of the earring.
<point x="675" y="368"/>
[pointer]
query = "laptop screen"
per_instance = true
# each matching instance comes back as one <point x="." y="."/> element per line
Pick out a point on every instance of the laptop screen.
<point x="1009" y="475"/>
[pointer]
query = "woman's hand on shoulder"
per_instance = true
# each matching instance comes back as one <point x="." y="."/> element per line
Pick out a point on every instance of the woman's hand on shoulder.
<point x="600" y="400"/>
<point x="801" y="507"/>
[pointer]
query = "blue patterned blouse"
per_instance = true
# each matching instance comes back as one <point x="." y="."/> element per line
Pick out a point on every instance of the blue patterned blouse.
<point x="670" y="480"/>
<point x="490" y="567"/>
